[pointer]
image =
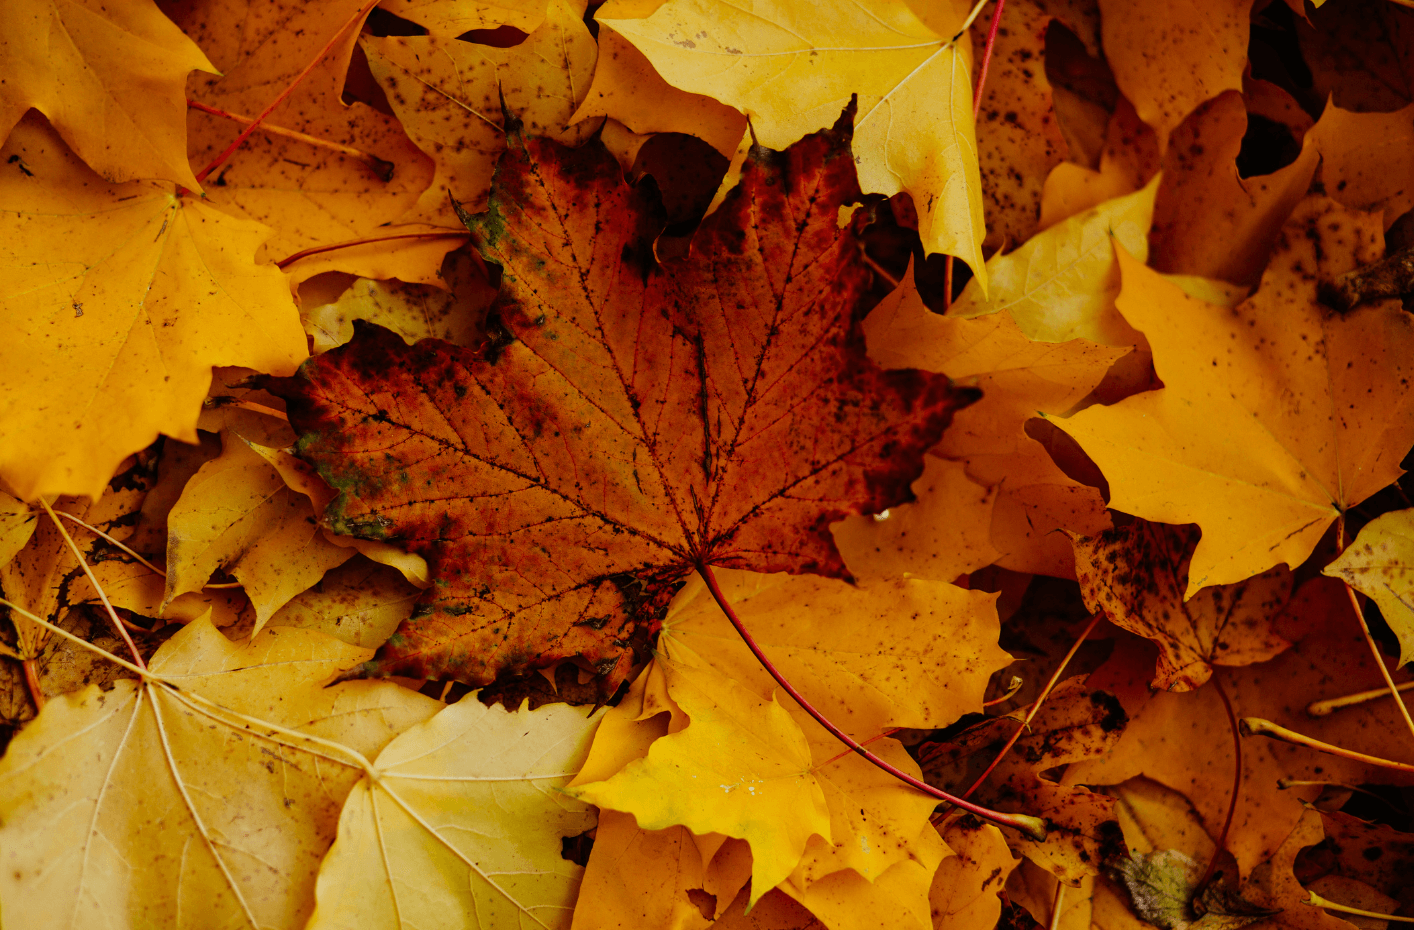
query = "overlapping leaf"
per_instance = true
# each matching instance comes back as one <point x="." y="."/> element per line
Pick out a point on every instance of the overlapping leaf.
<point x="114" y="342"/>
<point x="1274" y="417"/>
<point x="208" y="795"/>
<point x="791" y="69"/>
<point x="459" y="825"/>
<point x="1136" y="575"/>
<point x="449" y="96"/>
<point x="109" y="78"/>
<point x="628" y="420"/>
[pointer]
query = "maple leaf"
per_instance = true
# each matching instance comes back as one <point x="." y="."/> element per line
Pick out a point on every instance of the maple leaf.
<point x="869" y="678"/>
<point x="109" y="79"/>
<point x="1367" y="158"/>
<point x="1275" y="417"/>
<point x="114" y="343"/>
<point x="629" y="421"/>
<point x="450" y="95"/>
<point x="965" y="888"/>
<point x="208" y="792"/>
<point x="1136" y="575"/>
<point x="493" y="818"/>
<point x="761" y="789"/>
<point x="358" y="602"/>
<point x="454" y="311"/>
<point x="790" y="70"/>
<point x="1062" y="283"/>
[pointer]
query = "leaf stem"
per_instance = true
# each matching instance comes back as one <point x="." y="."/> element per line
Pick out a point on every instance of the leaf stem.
<point x="1056" y="902"/>
<point x="1033" y="827"/>
<point x="1330" y="705"/>
<point x="379" y="167"/>
<point x="93" y="580"/>
<point x="113" y="542"/>
<point x="1012" y="687"/>
<point x="353" y="21"/>
<point x="335" y="246"/>
<point x="1256" y="726"/>
<point x="1036" y="705"/>
<point x="1316" y="900"/>
<point x="31" y="667"/>
<point x="1236" y="788"/>
<point x="1393" y="689"/>
<point x="1370" y="639"/>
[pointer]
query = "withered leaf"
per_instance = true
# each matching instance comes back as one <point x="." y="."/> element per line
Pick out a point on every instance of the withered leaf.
<point x="627" y="420"/>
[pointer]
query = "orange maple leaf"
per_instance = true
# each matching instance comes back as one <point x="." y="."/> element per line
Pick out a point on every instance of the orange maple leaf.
<point x="627" y="421"/>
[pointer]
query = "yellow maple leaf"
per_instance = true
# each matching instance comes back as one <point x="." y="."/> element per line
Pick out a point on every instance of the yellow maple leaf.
<point x="945" y="533"/>
<point x="456" y="311"/>
<point x="237" y="514"/>
<point x="206" y="794"/>
<point x="866" y="676"/>
<point x="914" y="654"/>
<point x="17" y="523"/>
<point x="121" y="300"/>
<point x="1275" y="417"/>
<point x="109" y="77"/>
<point x="741" y="767"/>
<point x="1209" y="221"/>
<point x="791" y="69"/>
<point x="449" y="94"/>
<point x="458" y="824"/>
<point x="1366" y="158"/>
<point x="358" y="602"/>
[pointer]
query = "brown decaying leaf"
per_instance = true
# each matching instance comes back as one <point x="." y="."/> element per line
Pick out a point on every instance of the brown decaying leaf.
<point x="628" y="419"/>
<point x="1137" y="575"/>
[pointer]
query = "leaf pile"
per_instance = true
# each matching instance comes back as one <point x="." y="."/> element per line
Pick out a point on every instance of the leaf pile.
<point x="408" y="405"/>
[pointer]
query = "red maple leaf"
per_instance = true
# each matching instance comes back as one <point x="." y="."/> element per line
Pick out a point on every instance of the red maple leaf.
<point x="628" y="420"/>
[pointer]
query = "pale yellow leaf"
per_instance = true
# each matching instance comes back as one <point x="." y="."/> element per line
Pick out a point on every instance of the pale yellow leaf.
<point x="206" y="803"/>
<point x="459" y="825"/>
<point x="742" y="767"/>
